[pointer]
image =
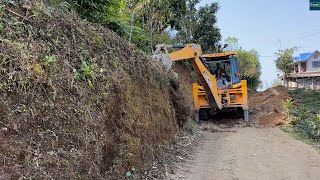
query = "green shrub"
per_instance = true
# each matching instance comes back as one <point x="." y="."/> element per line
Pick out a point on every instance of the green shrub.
<point x="305" y="115"/>
<point x="287" y="104"/>
<point x="86" y="71"/>
<point x="49" y="60"/>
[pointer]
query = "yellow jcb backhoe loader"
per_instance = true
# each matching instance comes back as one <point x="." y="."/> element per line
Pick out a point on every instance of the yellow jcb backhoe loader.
<point x="218" y="88"/>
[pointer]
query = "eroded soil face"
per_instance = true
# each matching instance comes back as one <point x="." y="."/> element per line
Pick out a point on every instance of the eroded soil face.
<point x="266" y="108"/>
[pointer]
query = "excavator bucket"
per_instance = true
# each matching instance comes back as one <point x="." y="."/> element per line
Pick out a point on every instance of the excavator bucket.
<point x="164" y="58"/>
<point x="161" y="54"/>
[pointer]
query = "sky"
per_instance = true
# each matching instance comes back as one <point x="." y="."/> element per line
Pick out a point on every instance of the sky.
<point x="262" y="25"/>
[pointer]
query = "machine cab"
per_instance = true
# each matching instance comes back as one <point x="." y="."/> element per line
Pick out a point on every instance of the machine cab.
<point x="223" y="65"/>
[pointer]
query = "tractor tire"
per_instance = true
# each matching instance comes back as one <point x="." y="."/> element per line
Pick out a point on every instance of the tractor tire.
<point x="204" y="114"/>
<point x="239" y="112"/>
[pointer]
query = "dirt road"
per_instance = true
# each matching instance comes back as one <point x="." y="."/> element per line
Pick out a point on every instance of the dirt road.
<point x="251" y="153"/>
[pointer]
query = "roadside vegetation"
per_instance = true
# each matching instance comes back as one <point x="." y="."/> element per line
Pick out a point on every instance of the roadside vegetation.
<point x="303" y="107"/>
<point x="151" y="22"/>
<point x="148" y="23"/>
<point x="304" y="112"/>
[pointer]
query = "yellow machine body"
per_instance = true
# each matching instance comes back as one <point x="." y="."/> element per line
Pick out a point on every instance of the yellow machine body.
<point x="206" y="94"/>
<point x="236" y="96"/>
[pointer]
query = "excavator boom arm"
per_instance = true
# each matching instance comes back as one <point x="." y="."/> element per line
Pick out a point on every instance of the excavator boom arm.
<point x="193" y="52"/>
<point x="189" y="51"/>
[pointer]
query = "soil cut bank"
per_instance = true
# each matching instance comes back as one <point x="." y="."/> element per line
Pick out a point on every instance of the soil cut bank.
<point x="76" y="100"/>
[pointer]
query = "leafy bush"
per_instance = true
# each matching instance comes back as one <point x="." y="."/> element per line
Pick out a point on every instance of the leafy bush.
<point x="309" y="127"/>
<point x="306" y="114"/>
<point x="49" y="60"/>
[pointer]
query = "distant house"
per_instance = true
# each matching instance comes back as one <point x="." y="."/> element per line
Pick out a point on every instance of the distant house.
<point x="306" y="71"/>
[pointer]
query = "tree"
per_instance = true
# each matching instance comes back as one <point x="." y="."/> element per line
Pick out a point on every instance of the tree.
<point x="187" y="27"/>
<point x="199" y="26"/>
<point x="206" y="33"/>
<point x="284" y="61"/>
<point x="155" y="16"/>
<point x="134" y="4"/>
<point x="250" y="67"/>
<point x="233" y="43"/>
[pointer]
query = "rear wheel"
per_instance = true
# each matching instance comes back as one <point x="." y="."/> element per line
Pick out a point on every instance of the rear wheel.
<point x="239" y="112"/>
<point x="204" y="114"/>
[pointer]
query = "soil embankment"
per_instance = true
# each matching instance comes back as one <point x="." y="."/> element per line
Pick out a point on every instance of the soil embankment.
<point x="76" y="100"/>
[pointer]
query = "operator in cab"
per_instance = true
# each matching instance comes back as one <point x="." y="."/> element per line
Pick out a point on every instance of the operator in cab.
<point x="222" y="82"/>
<point x="218" y="70"/>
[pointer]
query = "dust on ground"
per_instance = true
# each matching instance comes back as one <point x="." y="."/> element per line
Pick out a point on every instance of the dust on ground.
<point x="169" y="155"/>
<point x="250" y="153"/>
<point x="229" y="149"/>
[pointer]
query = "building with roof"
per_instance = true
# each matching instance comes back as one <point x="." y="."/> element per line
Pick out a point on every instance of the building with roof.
<point x="306" y="71"/>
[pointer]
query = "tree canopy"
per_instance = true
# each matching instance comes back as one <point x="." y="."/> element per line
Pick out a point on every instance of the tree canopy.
<point x="250" y="67"/>
<point x="199" y="26"/>
<point x="145" y="23"/>
<point x="284" y="61"/>
<point x="233" y="43"/>
<point x="206" y="33"/>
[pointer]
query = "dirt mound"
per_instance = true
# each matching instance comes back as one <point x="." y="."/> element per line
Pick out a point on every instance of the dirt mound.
<point x="76" y="100"/>
<point x="266" y="108"/>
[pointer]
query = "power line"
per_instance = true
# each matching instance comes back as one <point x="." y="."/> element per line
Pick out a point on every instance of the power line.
<point x="305" y="33"/>
<point x="309" y="35"/>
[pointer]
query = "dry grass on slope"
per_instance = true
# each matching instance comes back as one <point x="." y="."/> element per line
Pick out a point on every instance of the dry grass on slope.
<point x="76" y="100"/>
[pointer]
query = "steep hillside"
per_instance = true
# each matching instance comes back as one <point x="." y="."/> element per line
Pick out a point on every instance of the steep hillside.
<point x="76" y="100"/>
